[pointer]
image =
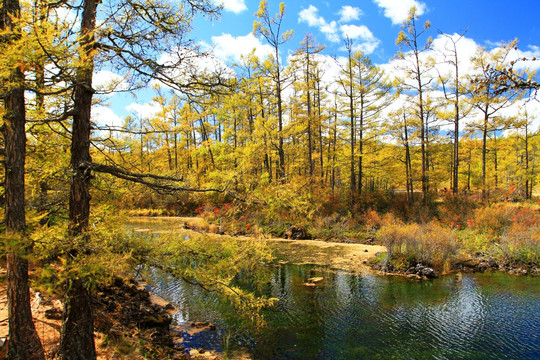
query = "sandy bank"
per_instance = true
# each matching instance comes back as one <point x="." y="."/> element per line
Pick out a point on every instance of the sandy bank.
<point x="348" y="257"/>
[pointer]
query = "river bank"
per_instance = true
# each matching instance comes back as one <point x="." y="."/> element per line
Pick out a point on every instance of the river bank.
<point x="347" y="256"/>
<point x="130" y="323"/>
<point x="351" y="257"/>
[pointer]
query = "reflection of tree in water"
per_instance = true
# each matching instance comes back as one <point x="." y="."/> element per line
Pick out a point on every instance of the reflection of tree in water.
<point x="362" y="317"/>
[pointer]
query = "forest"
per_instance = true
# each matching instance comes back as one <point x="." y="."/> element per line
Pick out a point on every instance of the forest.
<point x="435" y="161"/>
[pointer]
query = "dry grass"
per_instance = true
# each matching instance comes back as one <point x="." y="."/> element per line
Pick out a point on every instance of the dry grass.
<point x="429" y="244"/>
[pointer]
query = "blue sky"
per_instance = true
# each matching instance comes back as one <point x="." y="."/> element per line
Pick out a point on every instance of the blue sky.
<point x="372" y="24"/>
<point x="487" y="21"/>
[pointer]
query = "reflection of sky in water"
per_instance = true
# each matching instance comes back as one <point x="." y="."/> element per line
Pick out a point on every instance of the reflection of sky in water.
<point x="352" y="317"/>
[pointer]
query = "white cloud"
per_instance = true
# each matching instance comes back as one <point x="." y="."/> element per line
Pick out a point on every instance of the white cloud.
<point x="311" y="17"/>
<point x="349" y="13"/>
<point x="367" y="42"/>
<point x="398" y="10"/>
<point x="144" y="111"/>
<point x="330" y="71"/>
<point x="104" y="115"/>
<point x="466" y="48"/>
<point x="443" y="51"/>
<point x="367" y="47"/>
<point x="357" y="32"/>
<point x="332" y="31"/>
<point x="235" y="6"/>
<point x="64" y="14"/>
<point x="440" y="54"/>
<point x="106" y="81"/>
<point x="229" y="48"/>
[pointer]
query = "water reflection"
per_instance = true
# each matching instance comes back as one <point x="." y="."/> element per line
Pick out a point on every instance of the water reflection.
<point x="368" y="317"/>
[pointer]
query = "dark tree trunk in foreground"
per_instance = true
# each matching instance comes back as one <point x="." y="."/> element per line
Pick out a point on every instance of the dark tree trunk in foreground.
<point x="77" y="336"/>
<point x="23" y="339"/>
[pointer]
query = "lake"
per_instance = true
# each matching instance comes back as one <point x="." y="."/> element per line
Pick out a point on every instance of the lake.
<point x="363" y="316"/>
<point x="474" y="316"/>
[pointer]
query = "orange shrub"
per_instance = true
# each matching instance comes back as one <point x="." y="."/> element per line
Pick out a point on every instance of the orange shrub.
<point x="498" y="218"/>
<point x="429" y="244"/>
<point x="372" y="219"/>
<point x="493" y="219"/>
<point x="455" y="210"/>
<point x="520" y="244"/>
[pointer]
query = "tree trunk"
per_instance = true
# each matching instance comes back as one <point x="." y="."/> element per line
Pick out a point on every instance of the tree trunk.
<point x="334" y="143"/>
<point x="321" y="144"/>
<point x="77" y="335"/>
<point x="361" y="146"/>
<point x="77" y="340"/>
<point x="408" y="166"/>
<point x="455" y="180"/>
<point x="484" y="152"/>
<point x="469" y="170"/>
<point x="281" y="166"/>
<point x="23" y="339"/>
<point x="528" y="194"/>
<point x="496" y="161"/>
<point x="169" y="155"/>
<point x="422" y="129"/>
<point x="310" y="138"/>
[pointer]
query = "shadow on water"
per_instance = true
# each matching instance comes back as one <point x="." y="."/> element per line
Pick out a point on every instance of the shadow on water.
<point x="481" y="316"/>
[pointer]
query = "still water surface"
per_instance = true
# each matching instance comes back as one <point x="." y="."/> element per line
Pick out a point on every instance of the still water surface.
<point x="481" y="316"/>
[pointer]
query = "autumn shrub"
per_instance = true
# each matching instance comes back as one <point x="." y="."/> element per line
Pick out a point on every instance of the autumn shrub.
<point x="378" y="200"/>
<point x="325" y="227"/>
<point x="475" y="243"/>
<point x="400" y="206"/>
<point x="153" y="212"/>
<point x="436" y="244"/>
<point x="429" y="244"/>
<point x="455" y="210"/>
<point x="520" y="245"/>
<point x="497" y="218"/>
<point x="395" y="238"/>
<point x="372" y="219"/>
<point x="420" y="212"/>
<point x="526" y="215"/>
<point x="331" y="204"/>
<point x="337" y="227"/>
<point x="417" y="210"/>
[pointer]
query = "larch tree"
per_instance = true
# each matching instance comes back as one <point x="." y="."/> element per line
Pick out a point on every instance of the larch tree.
<point x="400" y="129"/>
<point x="306" y="63"/>
<point x="525" y="134"/>
<point x="24" y="342"/>
<point x="487" y="97"/>
<point x="417" y="69"/>
<point x="372" y="93"/>
<point x="346" y="82"/>
<point x="455" y="92"/>
<point x="270" y="28"/>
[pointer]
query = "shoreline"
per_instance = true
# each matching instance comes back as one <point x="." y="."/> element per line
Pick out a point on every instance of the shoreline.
<point x="351" y="257"/>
